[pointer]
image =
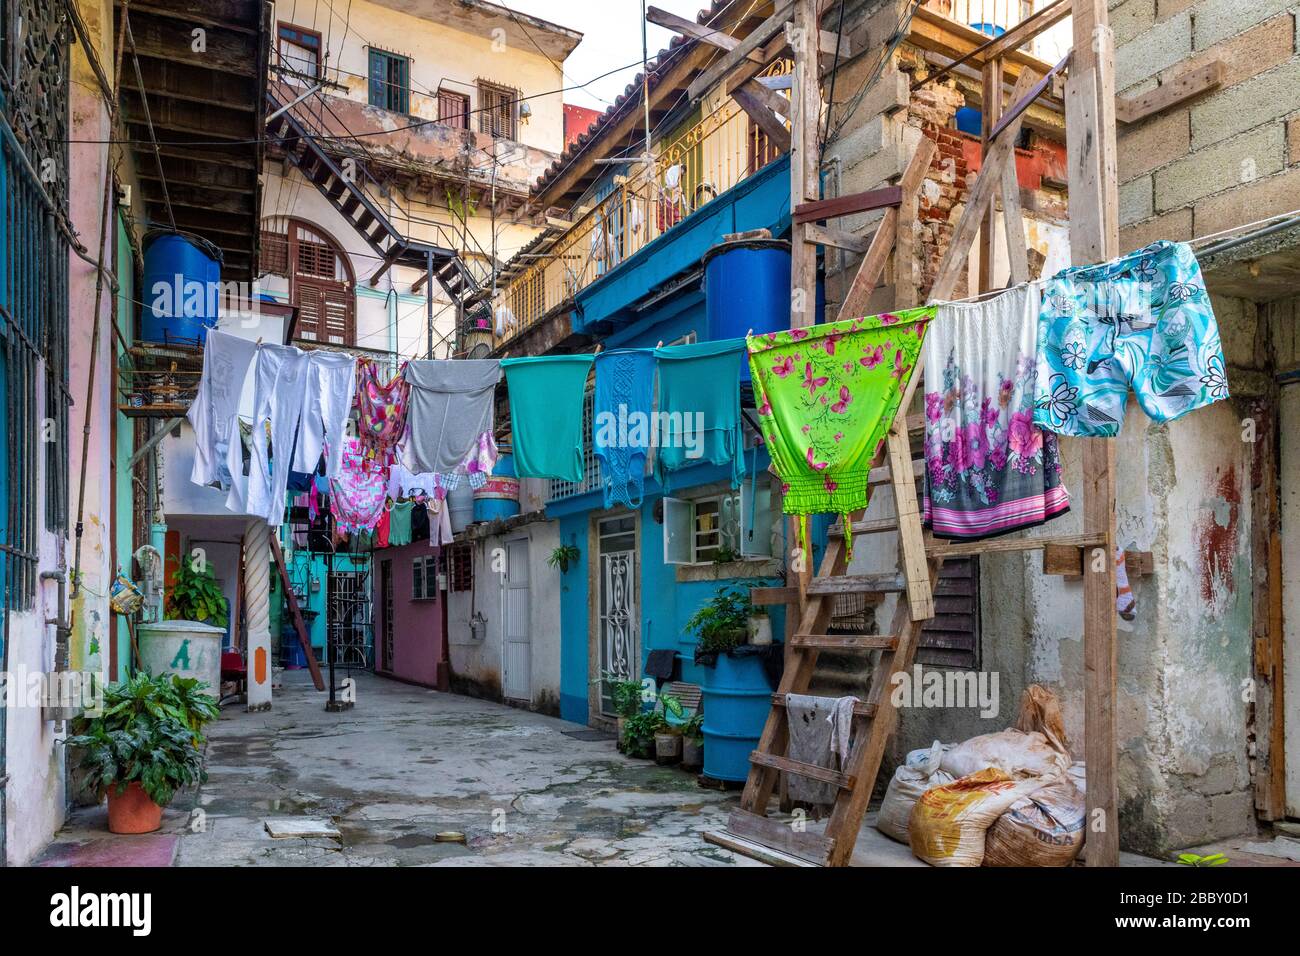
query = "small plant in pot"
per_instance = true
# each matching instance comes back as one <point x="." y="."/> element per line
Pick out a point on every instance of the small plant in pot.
<point x="196" y="595"/>
<point x="668" y="738"/>
<point x="563" y="557"/>
<point x="723" y="623"/>
<point x="626" y="697"/>
<point x="760" y="626"/>
<point x="143" y="745"/>
<point x="693" y="742"/>
<point x="639" y="733"/>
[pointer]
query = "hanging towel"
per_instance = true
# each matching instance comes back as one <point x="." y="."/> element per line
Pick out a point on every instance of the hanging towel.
<point x="809" y="720"/>
<point x="547" y="394"/>
<point x="327" y="407"/>
<point x="399" y="523"/>
<point x="381" y="411"/>
<point x="826" y="398"/>
<point x="226" y="360"/>
<point x="988" y="468"/>
<point x="622" y="418"/>
<point x="451" y="406"/>
<point x="357" y="492"/>
<point x="381" y="529"/>
<point x="281" y="379"/>
<point x="699" y="406"/>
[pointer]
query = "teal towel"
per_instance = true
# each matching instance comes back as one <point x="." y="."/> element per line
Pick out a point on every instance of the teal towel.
<point x="699" y="390"/>
<point x="546" y="398"/>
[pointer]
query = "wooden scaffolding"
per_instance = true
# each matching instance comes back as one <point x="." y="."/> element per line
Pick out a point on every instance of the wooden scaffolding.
<point x="1094" y="237"/>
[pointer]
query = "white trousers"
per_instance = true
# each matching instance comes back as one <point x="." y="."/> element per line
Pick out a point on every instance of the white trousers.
<point x="281" y="387"/>
<point x="327" y="406"/>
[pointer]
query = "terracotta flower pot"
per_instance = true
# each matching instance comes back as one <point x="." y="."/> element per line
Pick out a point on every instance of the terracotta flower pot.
<point x="132" y="811"/>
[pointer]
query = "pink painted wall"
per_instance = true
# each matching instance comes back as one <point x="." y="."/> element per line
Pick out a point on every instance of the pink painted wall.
<point x="417" y="625"/>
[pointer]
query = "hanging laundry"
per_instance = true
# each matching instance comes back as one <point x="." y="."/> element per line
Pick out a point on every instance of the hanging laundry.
<point x="357" y="495"/>
<point x="699" y="402"/>
<point x="327" y="406"/>
<point x="212" y="415"/>
<point x="547" y="394"/>
<point x="812" y="724"/>
<point x="826" y="398"/>
<point x="381" y="410"/>
<point x="381" y="529"/>
<point x="439" y="514"/>
<point x="477" y="466"/>
<point x="399" y="523"/>
<point x="451" y="410"/>
<point x="404" y="483"/>
<point x="988" y="468"/>
<point x="281" y="377"/>
<point x="1143" y="320"/>
<point x="622" y="419"/>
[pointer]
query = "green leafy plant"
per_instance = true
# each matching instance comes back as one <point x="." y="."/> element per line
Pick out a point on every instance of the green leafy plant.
<point x="195" y="594"/>
<point x="639" y="733"/>
<point x="672" y="706"/>
<point x="563" y="556"/>
<point x="626" y="697"/>
<point x="722" y="624"/>
<point x="694" y="726"/>
<point x="1192" y="859"/>
<point x="725" y="554"/>
<point x="148" y="731"/>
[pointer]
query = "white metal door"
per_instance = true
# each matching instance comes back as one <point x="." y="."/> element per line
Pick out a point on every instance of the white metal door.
<point x="1289" y="489"/>
<point x="620" y="652"/>
<point x="518" y="659"/>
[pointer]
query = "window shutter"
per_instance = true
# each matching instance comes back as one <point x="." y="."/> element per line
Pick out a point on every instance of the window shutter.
<point x="679" y="519"/>
<point x="378" y="79"/>
<point x="755" y="519"/>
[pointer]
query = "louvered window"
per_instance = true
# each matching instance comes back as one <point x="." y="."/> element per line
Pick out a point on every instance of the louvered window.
<point x="497" y="110"/>
<point x="321" y="284"/>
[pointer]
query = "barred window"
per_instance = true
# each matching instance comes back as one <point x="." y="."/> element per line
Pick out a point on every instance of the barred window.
<point x="453" y="109"/>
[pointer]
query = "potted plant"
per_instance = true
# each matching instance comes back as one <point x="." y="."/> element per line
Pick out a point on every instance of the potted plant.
<point x="668" y="738"/>
<point x="760" y="626"/>
<point x="142" y="746"/>
<point x="626" y="697"/>
<point x="723" y="623"/>
<point x="563" y="556"/>
<point x="693" y="742"/>
<point x="639" y="733"/>
<point x="188" y="642"/>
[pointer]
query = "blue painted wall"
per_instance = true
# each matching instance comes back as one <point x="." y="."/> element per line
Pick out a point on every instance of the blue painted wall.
<point x="664" y="605"/>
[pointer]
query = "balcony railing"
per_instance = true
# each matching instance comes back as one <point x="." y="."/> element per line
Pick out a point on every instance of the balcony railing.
<point x="691" y="167"/>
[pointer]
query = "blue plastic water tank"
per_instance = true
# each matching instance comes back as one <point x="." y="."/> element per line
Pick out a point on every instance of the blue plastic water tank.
<point x="182" y="275"/>
<point x="747" y="286"/>
<point x="736" y="698"/>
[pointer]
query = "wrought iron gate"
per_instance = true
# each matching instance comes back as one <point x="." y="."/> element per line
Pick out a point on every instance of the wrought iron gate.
<point x="349" y="626"/>
<point x="620" y="655"/>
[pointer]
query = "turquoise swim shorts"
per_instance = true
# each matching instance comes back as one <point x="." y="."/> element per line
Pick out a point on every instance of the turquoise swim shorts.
<point x="1144" y="321"/>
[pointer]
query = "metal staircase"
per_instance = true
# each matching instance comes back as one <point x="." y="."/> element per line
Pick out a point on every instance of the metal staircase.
<point x="302" y="138"/>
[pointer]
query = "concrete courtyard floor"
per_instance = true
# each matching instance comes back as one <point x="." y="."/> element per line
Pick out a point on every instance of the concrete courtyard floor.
<point x="406" y="764"/>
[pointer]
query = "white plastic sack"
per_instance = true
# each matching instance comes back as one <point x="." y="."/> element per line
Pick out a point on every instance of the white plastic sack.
<point x="915" y="775"/>
<point x="1013" y="752"/>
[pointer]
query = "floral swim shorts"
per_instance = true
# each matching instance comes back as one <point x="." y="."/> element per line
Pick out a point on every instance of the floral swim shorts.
<point x="1144" y="321"/>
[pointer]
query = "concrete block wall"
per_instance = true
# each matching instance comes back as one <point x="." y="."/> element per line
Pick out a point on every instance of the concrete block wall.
<point x="1227" y="157"/>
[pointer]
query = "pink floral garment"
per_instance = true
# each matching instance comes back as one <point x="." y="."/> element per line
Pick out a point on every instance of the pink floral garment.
<point x="826" y="397"/>
<point x="381" y="411"/>
<point x="359" y="491"/>
<point x="989" y="468"/>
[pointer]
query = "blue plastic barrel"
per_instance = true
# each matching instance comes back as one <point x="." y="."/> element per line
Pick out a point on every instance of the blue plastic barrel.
<point x="182" y="276"/>
<point x="747" y="286"/>
<point x="499" y="497"/>
<point x="736" y="698"/>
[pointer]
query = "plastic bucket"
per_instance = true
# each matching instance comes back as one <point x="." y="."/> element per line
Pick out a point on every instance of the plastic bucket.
<point x="184" y="648"/>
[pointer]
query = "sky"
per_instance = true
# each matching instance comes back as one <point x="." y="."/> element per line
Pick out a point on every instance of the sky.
<point x="611" y="39"/>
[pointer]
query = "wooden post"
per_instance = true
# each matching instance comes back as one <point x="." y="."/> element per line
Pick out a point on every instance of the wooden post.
<point x="1094" y="237"/>
<point x="991" y="113"/>
<point x="805" y="117"/>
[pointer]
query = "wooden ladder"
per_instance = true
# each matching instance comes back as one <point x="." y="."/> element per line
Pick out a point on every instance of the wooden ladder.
<point x="748" y="830"/>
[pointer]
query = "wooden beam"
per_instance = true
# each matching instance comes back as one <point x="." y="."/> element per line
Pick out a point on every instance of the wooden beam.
<point x="868" y="201"/>
<point x="697" y="31"/>
<point x="1094" y="237"/>
<point x="1022" y="104"/>
<point x="1009" y="42"/>
<point x="991" y="113"/>
<point x="836" y="238"/>
<point x="753" y="100"/>
<point x="936" y="33"/>
<point x="1183" y="87"/>
<point x="760" y="35"/>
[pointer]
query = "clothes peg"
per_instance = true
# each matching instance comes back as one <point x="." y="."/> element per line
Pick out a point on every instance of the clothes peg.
<point x="660" y="345"/>
<point x="598" y="348"/>
<point x="749" y="333"/>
